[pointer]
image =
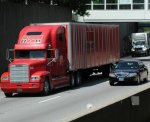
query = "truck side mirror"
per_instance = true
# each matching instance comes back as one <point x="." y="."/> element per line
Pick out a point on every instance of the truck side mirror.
<point x="10" y="55"/>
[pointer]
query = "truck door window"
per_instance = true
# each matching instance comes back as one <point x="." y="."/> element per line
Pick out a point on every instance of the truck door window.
<point x="49" y="54"/>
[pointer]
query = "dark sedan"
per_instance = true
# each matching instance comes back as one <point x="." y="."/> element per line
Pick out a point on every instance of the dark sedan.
<point x="128" y="71"/>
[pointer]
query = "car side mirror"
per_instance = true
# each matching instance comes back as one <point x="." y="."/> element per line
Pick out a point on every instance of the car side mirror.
<point x="142" y="67"/>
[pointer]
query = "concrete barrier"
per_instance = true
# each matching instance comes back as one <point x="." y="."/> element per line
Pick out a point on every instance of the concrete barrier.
<point x="135" y="108"/>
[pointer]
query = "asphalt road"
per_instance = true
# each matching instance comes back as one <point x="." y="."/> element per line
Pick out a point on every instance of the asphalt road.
<point x="66" y="104"/>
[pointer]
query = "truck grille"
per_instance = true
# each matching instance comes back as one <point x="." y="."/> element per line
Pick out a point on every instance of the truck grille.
<point x="138" y="49"/>
<point x="19" y="73"/>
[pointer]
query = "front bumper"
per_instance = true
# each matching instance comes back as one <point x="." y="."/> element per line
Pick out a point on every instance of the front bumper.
<point x="139" y="52"/>
<point x="123" y="79"/>
<point x="21" y="87"/>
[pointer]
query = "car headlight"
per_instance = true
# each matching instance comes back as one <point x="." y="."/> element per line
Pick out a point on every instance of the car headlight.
<point x="132" y="74"/>
<point x="33" y="78"/>
<point x="4" y="78"/>
<point x="112" y="75"/>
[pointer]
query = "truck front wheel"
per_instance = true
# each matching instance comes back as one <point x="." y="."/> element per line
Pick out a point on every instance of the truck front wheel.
<point x="46" y="87"/>
<point x="8" y="94"/>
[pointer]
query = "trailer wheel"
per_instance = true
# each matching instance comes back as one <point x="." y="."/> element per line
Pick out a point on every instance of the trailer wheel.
<point x="8" y="94"/>
<point x="72" y="79"/>
<point x="133" y="55"/>
<point x="78" y="79"/>
<point x="46" y="87"/>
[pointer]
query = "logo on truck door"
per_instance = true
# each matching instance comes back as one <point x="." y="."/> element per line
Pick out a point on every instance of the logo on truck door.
<point x="31" y="39"/>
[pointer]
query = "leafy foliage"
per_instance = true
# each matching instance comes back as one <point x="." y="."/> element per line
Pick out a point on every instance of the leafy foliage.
<point x="78" y="6"/>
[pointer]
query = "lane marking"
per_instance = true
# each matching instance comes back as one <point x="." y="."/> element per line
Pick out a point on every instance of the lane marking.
<point x="49" y="99"/>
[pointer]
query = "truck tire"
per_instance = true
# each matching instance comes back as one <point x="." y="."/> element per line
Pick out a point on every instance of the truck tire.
<point x="46" y="87"/>
<point x="8" y="94"/>
<point x="72" y="79"/>
<point x="133" y="55"/>
<point x="78" y="79"/>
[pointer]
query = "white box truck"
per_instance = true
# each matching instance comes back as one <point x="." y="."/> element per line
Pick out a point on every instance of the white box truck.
<point x="140" y="43"/>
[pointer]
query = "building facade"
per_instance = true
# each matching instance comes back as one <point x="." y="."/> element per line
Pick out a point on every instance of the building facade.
<point x="118" y="11"/>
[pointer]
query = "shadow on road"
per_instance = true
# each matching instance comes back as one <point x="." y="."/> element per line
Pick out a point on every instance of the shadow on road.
<point x="131" y="84"/>
<point x="86" y="82"/>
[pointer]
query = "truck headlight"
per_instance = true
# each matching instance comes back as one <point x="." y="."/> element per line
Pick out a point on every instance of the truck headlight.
<point x="132" y="74"/>
<point x="144" y="49"/>
<point x="132" y="49"/>
<point x="33" y="78"/>
<point x="4" y="78"/>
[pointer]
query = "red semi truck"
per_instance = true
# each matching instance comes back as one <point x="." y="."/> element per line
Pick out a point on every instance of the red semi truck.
<point x="53" y="55"/>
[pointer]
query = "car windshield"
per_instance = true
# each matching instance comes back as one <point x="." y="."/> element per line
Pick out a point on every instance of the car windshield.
<point x="27" y="54"/>
<point x="127" y="65"/>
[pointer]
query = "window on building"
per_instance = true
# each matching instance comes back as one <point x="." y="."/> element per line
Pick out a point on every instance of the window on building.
<point x="88" y="6"/>
<point x="138" y="4"/>
<point x="125" y="4"/>
<point x="111" y="1"/>
<point x="111" y="4"/>
<point x="148" y="4"/>
<point x="138" y="1"/>
<point x="98" y="4"/>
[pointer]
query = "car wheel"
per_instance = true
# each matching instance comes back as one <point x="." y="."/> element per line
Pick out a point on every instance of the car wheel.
<point x="146" y="79"/>
<point x="111" y="83"/>
<point x="46" y="87"/>
<point x="8" y="94"/>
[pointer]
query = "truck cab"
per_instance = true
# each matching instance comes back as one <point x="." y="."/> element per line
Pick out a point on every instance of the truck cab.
<point x="40" y="61"/>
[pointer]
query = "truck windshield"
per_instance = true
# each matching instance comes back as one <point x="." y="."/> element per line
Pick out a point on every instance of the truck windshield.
<point x="139" y="43"/>
<point x="26" y="54"/>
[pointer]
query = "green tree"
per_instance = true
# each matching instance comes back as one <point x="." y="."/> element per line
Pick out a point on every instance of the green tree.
<point x="78" y="6"/>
